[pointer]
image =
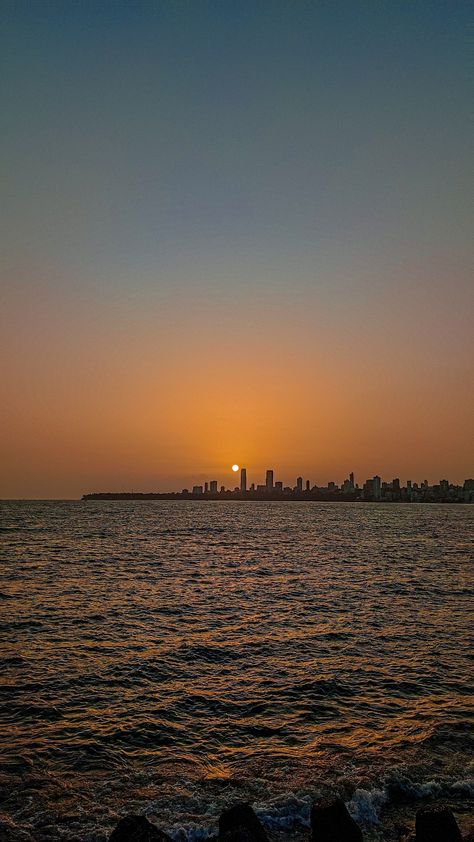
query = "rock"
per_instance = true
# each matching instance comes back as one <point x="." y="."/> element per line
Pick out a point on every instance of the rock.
<point x="137" y="829"/>
<point x="404" y="834"/>
<point x="240" y="824"/>
<point x="331" y="822"/>
<point x="237" y="834"/>
<point x="436" y="824"/>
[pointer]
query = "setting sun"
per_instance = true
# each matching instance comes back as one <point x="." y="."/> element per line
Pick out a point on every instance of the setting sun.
<point x="235" y="468"/>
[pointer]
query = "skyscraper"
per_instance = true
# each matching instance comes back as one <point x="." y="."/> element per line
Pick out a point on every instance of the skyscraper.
<point x="299" y="484"/>
<point x="243" y="480"/>
<point x="269" y="481"/>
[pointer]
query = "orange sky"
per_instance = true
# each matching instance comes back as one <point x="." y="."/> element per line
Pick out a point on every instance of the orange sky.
<point x="158" y="393"/>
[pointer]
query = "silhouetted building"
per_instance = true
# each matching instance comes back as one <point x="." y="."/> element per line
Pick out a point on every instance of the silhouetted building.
<point x="376" y="487"/>
<point x="468" y="491"/>
<point x="373" y="490"/>
<point x="368" y="489"/>
<point x="269" y="481"/>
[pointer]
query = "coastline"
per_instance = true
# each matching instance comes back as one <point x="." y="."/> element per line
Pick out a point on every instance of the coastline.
<point x="230" y="497"/>
<point x="326" y="819"/>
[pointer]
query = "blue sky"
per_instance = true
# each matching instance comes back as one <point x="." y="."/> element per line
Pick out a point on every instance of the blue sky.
<point x="325" y="131"/>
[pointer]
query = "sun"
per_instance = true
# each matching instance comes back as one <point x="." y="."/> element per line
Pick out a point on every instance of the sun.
<point x="235" y="468"/>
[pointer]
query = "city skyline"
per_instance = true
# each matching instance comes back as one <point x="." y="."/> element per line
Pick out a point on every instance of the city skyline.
<point x="247" y="479"/>
<point x="373" y="489"/>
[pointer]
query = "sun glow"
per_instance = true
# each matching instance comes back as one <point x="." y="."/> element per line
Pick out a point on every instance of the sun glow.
<point x="235" y="468"/>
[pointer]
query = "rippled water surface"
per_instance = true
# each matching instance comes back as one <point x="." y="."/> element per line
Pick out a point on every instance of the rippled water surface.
<point x="169" y="657"/>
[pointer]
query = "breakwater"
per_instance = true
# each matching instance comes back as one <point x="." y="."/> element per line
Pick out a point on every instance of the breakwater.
<point x="330" y="821"/>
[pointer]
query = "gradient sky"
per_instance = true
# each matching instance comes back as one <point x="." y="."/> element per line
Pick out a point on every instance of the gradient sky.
<point x="234" y="232"/>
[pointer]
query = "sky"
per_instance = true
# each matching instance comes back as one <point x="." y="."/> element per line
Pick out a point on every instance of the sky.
<point x="234" y="232"/>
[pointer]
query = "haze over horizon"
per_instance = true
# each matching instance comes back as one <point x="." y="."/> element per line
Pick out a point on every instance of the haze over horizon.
<point x="234" y="233"/>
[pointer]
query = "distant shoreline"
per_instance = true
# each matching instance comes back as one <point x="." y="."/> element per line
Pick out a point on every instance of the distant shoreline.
<point x="253" y="497"/>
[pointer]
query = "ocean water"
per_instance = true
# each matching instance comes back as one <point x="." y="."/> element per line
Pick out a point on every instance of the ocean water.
<point x="170" y="658"/>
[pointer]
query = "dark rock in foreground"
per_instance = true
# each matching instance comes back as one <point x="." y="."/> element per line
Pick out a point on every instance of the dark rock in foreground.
<point x="436" y="824"/>
<point x="137" y="829"/>
<point x="331" y="822"/>
<point x="240" y="824"/>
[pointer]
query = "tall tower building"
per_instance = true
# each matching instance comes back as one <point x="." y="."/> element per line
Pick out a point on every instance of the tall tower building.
<point x="377" y="487"/>
<point x="269" y="481"/>
<point x="243" y="480"/>
<point x="299" y="484"/>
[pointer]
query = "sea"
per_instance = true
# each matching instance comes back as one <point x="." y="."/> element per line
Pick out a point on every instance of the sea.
<point x="172" y="658"/>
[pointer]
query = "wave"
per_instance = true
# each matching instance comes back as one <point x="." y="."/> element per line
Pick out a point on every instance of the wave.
<point x="366" y="805"/>
<point x="402" y="788"/>
<point x="292" y="812"/>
